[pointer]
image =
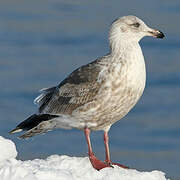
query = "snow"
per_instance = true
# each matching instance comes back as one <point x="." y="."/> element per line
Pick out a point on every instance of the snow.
<point x="7" y="149"/>
<point x="57" y="167"/>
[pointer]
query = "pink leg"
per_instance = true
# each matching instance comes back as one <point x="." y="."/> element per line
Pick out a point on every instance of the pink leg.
<point x="106" y="143"/>
<point x="96" y="163"/>
<point x="108" y="161"/>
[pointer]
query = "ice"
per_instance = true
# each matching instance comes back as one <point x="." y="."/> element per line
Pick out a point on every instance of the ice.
<point x="57" y="167"/>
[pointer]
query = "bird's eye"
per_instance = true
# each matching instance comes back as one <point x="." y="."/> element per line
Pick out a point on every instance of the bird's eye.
<point x="136" y="25"/>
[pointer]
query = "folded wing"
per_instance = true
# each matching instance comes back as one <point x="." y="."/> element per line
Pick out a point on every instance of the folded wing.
<point x="79" y="88"/>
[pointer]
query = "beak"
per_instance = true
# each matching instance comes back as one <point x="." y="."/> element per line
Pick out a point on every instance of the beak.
<point x="156" y="33"/>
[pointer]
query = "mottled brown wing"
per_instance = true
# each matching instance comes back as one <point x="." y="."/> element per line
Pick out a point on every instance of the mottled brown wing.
<point x="79" y="88"/>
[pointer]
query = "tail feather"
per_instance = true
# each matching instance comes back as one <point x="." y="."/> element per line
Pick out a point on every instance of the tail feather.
<point x="41" y="128"/>
<point x="32" y="122"/>
<point x="42" y="123"/>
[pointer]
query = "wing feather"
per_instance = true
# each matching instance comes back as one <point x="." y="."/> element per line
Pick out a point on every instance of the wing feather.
<point x="79" y="88"/>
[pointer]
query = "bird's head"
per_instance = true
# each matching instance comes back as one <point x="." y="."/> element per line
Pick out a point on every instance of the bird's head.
<point x="131" y="28"/>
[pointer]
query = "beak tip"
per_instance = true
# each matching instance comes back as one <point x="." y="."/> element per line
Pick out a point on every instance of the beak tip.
<point x="160" y="35"/>
<point x="157" y="34"/>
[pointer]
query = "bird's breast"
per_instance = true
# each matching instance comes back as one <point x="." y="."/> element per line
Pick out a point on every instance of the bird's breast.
<point x="122" y="89"/>
<point x="129" y="75"/>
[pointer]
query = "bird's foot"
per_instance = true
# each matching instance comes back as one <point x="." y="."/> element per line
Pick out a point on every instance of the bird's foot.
<point x="97" y="164"/>
<point x="120" y="165"/>
<point x="117" y="164"/>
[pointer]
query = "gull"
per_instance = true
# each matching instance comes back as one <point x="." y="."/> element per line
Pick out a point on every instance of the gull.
<point x="98" y="94"/>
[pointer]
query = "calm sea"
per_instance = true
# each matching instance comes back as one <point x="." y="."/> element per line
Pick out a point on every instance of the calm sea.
<point x="42" y="41"/>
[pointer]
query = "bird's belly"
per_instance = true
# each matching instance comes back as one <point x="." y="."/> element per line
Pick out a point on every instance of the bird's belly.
<point x="109" y="107"/>
<point x="118" y="105"/>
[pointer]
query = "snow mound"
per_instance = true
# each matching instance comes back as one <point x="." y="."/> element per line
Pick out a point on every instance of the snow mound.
<point x="58" y="167"/>
<point x="7" y="149"/>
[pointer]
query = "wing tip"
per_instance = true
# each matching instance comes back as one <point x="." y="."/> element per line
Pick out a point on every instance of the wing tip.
<point x="16" y="130"/>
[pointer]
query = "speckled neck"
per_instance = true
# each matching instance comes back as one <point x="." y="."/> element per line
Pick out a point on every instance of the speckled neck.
<point x="123" y="50"/>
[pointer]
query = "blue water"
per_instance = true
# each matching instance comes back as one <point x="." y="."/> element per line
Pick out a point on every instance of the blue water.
<point x="42" y="41"/>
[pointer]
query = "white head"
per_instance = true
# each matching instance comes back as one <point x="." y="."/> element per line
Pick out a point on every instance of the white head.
<point x="131" y="29"/>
